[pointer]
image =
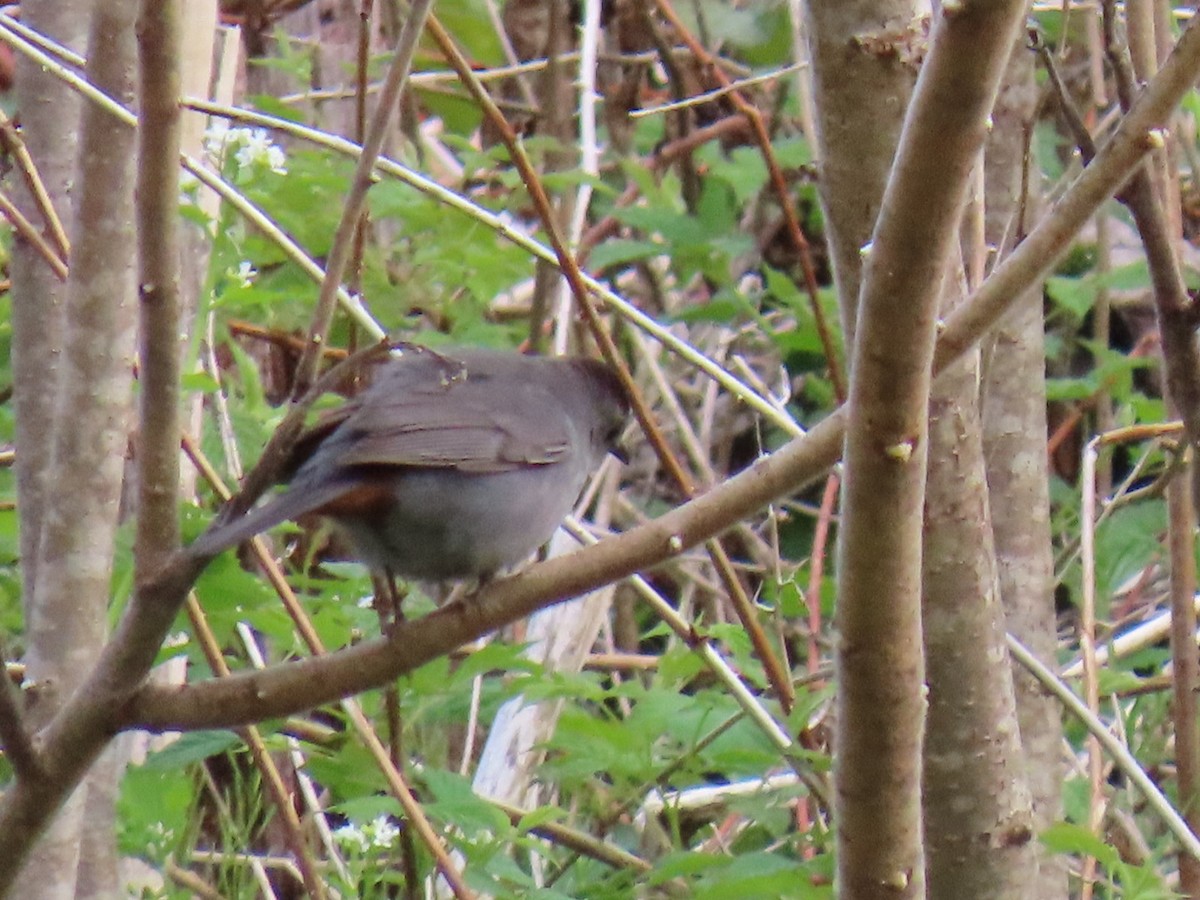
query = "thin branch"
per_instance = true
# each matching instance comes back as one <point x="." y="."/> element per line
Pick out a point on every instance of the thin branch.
<point x="12" y="36"/>
<point x="1124" y="760"/>
<point x="263" y="761"/>
<point x="1176" y="313"/>
<point x="366" y="732"/>
<point x="306" y="683"/>
<point x="569" y="264"/>
<point x="11" y="141"/>
<point x="343" y="241"/>
<point x="27" y="232"/>
<point x="111" y="697"/>
<point x="505" y="229"/>
<point x="14" y="735"/>
<point x="157" y="198"/>
<point x="1050" y="239"/>
<point x="274" y="456"/>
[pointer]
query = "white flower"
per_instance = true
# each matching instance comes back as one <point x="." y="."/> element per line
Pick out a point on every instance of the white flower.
<point x="383" y="833"/>
<point x="244" y="274"/>
<point x="256" y="147"/>
<point x="250" y="147"/>
<point x="750" y="285"/>
<point x="351" y="837"/>
<point x="276" y="160"/>
<point x="215" y="138"/>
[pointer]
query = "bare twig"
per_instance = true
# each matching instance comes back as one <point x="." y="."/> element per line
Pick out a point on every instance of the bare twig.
<point x="14" y="733"/>
<point x="567" y="261"/>
<point x="1176" y="313"/>
<point x="343" y="241"/>
<point x="26" y="231"/>
<point x="252" y="737"/>
<point x="395" y="779"/>
<point x="10" y="138"/>
<point x="1119" y="753"/>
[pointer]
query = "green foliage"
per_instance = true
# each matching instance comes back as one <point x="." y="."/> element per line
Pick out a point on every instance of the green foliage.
<point x="1120" y="879"/>
<point x="432" y="274"/>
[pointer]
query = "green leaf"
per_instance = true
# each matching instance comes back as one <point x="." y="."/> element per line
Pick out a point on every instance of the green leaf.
<point x="368" y="808"/>
<point x="1131" y="276"/>
<point x="543" y="815"/>
<point x="1076" y="295"/>
<point x="190" y="748"/>
<point x="765" y="875"/>
<point x="455" y="802"/>
<point x="198" y="382"/>
<point x="620" y="252"/>
<point x="1068" y="838"/>
<point x="684" y="863"/>
<point x="153" y="810"/>
<point x="1060" y="390"/>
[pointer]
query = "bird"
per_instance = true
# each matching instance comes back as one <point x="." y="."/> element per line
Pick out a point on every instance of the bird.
<point x="451" y="465"/>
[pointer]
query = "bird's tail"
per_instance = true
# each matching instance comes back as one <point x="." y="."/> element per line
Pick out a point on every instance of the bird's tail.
<point x="296" y="501"/>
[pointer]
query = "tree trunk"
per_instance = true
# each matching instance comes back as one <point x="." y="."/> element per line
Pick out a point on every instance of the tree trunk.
<point x="881" y="700"/>
<point x="67" y="581"/>
<point x="1014" y="440"/>
<point x="978" y="820"/>
<point x="865" y="58"/>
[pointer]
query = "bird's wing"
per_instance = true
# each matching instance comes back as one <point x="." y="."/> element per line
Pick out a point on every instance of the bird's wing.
<point x="464" y="425"/>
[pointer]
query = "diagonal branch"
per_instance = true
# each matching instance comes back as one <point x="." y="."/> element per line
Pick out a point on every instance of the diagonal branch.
<point x="343" y="240"/>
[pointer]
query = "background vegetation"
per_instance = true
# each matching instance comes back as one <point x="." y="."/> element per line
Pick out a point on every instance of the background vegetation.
<point x="787" y="235"/>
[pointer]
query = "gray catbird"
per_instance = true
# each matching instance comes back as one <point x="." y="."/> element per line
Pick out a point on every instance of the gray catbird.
<point x="450" y="465"/>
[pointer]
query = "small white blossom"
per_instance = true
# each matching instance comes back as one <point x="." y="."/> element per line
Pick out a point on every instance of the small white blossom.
<point x="257" y="148"/>
<point x="351" y="837"/>
<point x="250" y="147"/>
<point x="750" y="285"/>
<point x="244" y="274"/>
<point x="383" y="833"/>
<point x="215" y="138"/>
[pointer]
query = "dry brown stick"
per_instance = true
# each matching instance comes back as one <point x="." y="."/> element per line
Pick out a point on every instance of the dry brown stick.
<point x="1177" y="320"/>
<point x="820" y="543"/>
<point x="573" y="839"/>
<point x="344" y="238"/>
<point x="190" y="881"/>
<point x="11" y="141"/>
<point x="252" y="737"/>
<point x="115" y="697"/>
<point x="26" y="231"/>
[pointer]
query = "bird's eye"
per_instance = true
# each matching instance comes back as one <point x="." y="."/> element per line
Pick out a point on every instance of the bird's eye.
<point x="612" y="440"/>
